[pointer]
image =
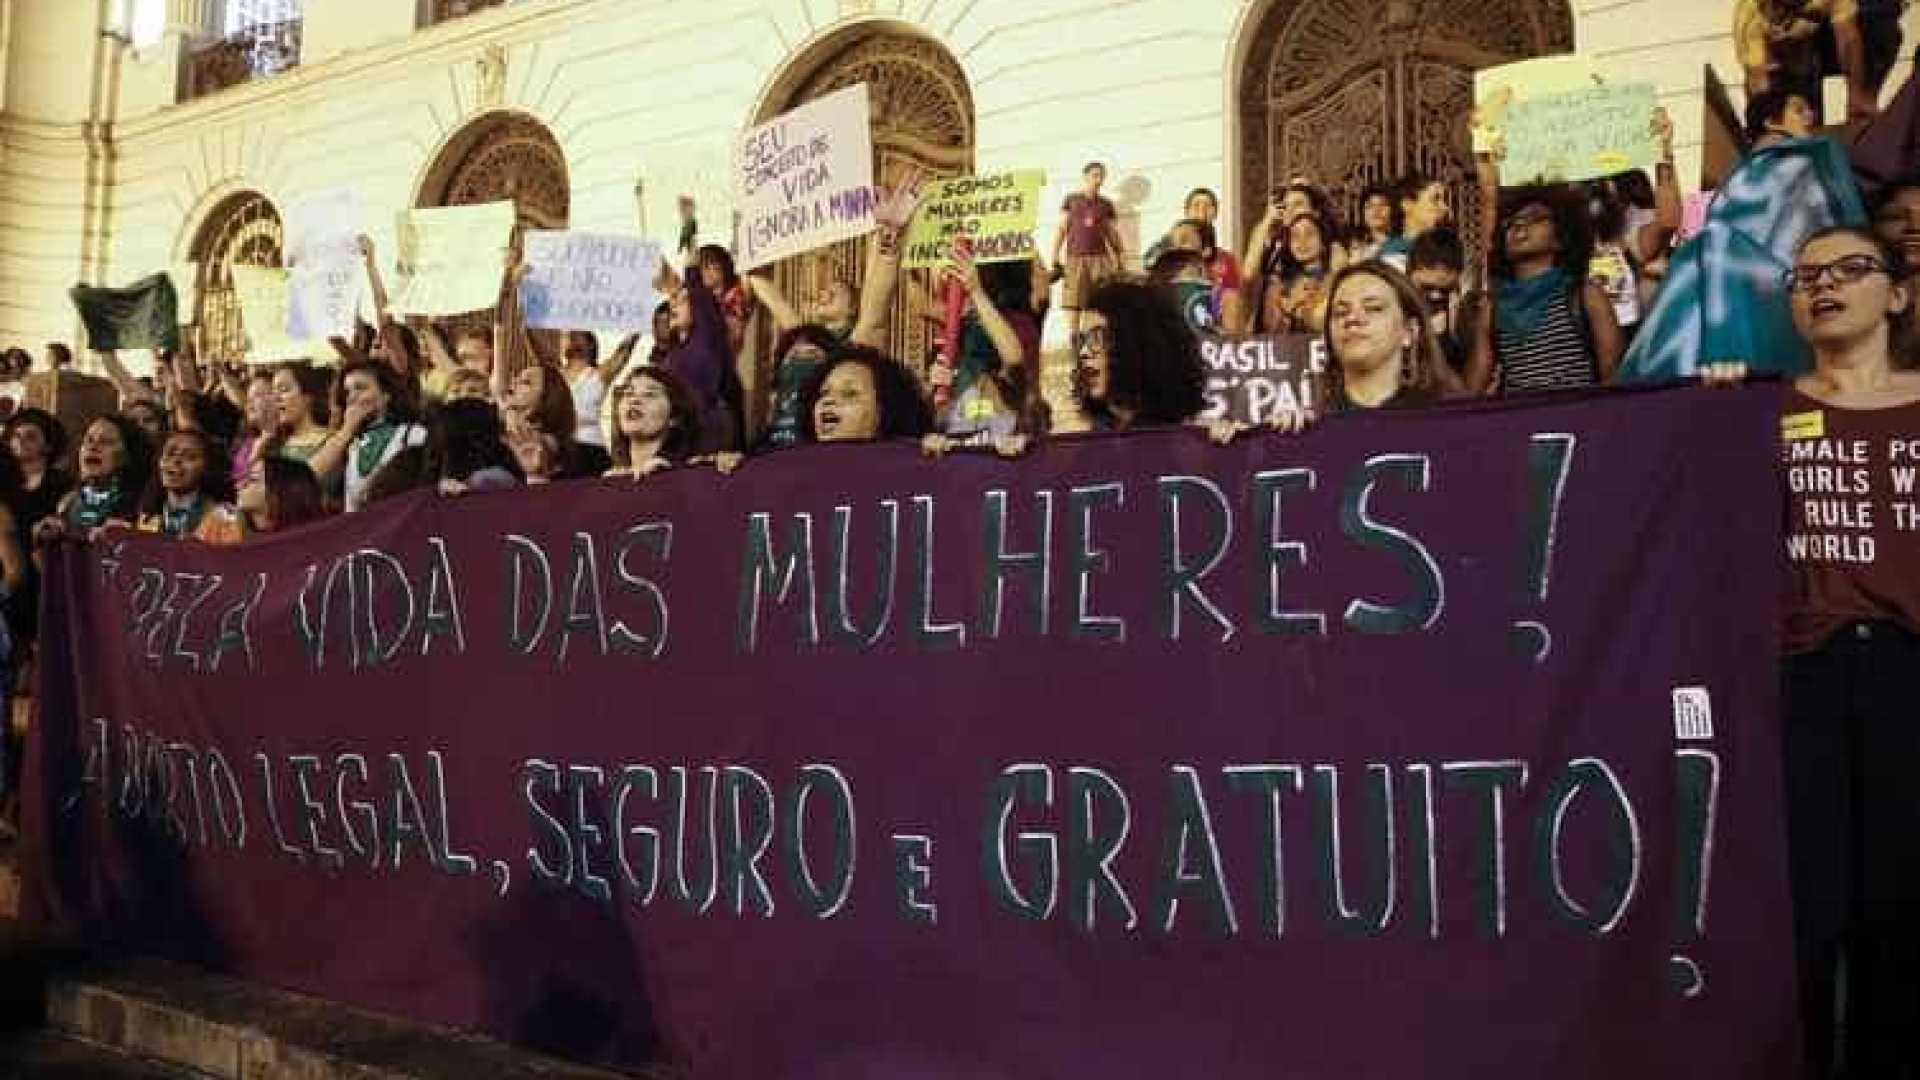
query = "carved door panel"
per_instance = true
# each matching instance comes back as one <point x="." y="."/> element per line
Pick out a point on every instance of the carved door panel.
<point x="1352" y="92"/>
<point x="511" y="158"/>
<point x="922" y="116"/>
<point x="1407" y="115"/>
<point x="1343" y="143"/>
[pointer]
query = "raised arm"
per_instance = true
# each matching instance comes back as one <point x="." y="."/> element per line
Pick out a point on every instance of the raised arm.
<point x="1487" y="169"/>
<point x="1006" y="342"/>
<point x="504" y="334"/>
<point x="399" y="354"/>
<point x="1608" y="342"/>
<point x="764" y="289"/>
<point x="123" y="380"/>
<point x="883" y="262"/>
<point x="1669" y="208"/>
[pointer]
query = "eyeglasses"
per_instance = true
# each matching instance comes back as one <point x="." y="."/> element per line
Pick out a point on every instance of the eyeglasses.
<point x="1842" y="271"/>
<point x="1527" y="221"/>
<point x="1096" y="339"/>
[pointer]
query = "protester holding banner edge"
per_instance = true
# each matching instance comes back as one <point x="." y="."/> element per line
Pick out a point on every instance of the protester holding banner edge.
<point x="190" y="496"/>
<point x="1852" y="669"/>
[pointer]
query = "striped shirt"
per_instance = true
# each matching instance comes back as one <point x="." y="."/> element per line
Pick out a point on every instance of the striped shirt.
<point x="1553" y="355"/>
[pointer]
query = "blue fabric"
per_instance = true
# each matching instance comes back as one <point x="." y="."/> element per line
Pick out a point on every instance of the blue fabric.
<point x="1519" y="304"/>
<point x="1726" y="297"/>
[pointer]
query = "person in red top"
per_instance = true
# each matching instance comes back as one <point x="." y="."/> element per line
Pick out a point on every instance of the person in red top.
<point x="1851" y="444"/>
<point x="1087" y="245"/>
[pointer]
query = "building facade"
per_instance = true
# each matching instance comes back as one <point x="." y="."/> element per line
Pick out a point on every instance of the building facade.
<point x="117" y="160"/>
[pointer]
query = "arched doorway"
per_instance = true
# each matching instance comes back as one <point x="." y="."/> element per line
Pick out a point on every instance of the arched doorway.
<point x="504" y="156"/>
<point x="1357" y="92"/>
<point x="507" y="156"/>
<point x="241" y="230"/>
<point x="922" y="122"/>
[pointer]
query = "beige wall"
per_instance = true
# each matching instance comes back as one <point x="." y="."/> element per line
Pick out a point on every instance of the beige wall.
<point x="646" y="90"/>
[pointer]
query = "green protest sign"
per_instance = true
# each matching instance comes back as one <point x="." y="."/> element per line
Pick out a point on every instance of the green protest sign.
<point x="999" y="211"/>
<point x="1581" y="135"/>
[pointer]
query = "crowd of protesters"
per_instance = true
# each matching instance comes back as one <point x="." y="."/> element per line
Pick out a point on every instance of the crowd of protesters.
<point x="1546" y="296"/>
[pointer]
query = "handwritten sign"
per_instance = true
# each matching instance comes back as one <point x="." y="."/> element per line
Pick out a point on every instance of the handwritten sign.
<point x="806" y="179"/>
<point x="1498" y="89"/>
<point x="998" y="211"/>
<point x="1249" y="379"/>
<point x="451" y="258"/>
<point x="323" y="250"/>
<point x="264" y="293"/>
<point x="589" y="281"/>
<point x="1581" y="135"/>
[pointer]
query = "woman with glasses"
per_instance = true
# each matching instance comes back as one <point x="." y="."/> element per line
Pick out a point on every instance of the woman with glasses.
<point x="1137" y="363"/>
<point x="1548" y="327"/>
<point x="1851" y="429"/>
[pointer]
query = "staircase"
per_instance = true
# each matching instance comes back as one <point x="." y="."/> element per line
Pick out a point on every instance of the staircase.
<point x="66" y="1014"/>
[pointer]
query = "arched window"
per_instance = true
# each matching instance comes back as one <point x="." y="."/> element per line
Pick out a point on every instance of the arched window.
<point x="244" y="229"/>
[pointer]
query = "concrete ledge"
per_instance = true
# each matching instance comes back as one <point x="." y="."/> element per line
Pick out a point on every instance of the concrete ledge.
<point x="223" y="1028"/>
<point x="53" y="1057"/>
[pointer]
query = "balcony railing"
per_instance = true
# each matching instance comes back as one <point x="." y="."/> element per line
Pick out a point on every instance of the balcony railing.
<point x="258" y="52"/>
<point x="439" y="11"/>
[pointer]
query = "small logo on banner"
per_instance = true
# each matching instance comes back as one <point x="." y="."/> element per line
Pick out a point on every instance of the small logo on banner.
<point x="1692" y="714"/>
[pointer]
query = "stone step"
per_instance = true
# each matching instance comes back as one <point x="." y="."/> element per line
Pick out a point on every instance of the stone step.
<point x="229" y="1030"/>
<point x="46" y="1056"/>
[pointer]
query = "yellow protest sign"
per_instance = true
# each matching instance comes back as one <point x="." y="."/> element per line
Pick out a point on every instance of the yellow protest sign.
<point x="451" y="259"/>
<point x="264" y="293"/>
<point x="1498" y="89"/>
<point x="997" y="211"/>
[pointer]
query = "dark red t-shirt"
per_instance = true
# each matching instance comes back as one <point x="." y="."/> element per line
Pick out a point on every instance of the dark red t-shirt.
<point x="1089" y="217"/>
<point x="1853" y="526"/>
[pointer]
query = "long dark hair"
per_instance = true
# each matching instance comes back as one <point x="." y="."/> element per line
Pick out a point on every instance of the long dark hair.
<point x="1153" y="358"/>
<point x="1422" y="363"/>
<point x="1289" y="266"/>
<point x="138" y="455"/>
<point x="403" y="406"/>
<point x="464" y="438"/>
<point x="903" y="412"/>
<point x="52" y="432"/>
<point x="216" y="480"/>
<point x="1396" y="219"/>
<point x="293" y="492"/>
<point x="317" y="384"/>
<point x="683" y="417"/>
<point x="721" y="257"/>
<point x="554" y="413"/>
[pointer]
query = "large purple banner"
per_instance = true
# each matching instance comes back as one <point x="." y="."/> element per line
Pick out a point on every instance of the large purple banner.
<point x="1427" y="744"/>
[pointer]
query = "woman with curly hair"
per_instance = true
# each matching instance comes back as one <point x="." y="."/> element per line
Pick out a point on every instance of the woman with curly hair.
<point x="191" y="494"/>
<point x="1138" y="363"/>
<point x="110" y="466"/>
<point x="862" y="395"/>
<point x="1548" y="327"/>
